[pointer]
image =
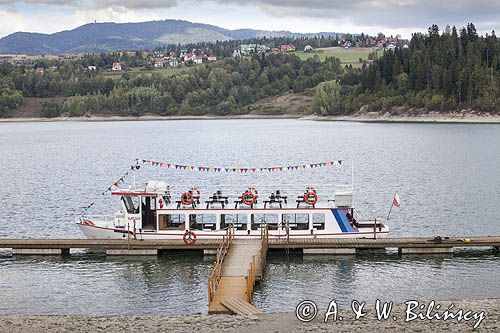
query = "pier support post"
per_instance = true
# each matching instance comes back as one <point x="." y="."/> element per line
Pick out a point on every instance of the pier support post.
<point x="425" y="250"/>
<point x="42" y="252"/>
<point x="131" y="252"/>
<point x="341" y="251"/>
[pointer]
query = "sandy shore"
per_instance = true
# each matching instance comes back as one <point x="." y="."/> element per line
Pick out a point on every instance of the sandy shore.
<point x="432" y="117"/>
<point x="272" y="322"/>
<point x="466" y="118"/>
<point x="149" y="118"/>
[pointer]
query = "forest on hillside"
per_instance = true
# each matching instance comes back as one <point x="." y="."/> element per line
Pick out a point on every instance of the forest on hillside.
<point x="439" y="71"/>
<point x="446" y="71"/>
<point x="220" y="88"/>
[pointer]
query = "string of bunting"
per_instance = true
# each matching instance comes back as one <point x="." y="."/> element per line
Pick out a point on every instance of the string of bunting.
<point x="241" y="170"/>
<point x="136" y="166"/>
<point x="116" y="184"/>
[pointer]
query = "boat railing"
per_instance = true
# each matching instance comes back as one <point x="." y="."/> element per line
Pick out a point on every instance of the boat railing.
<point x="215" y="271"/>
<point x="360" y="216"/>
<point x="105" y="218"/>
<point x="250" y="278"/>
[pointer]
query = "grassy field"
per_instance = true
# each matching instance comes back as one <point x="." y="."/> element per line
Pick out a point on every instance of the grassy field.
<point x="346" y="56"/>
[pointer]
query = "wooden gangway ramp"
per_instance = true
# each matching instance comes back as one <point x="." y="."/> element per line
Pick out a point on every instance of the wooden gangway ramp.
<point x="239" y="264"/>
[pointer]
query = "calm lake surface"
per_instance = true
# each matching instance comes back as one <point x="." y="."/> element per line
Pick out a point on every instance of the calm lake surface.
<point x="448" y="177"/>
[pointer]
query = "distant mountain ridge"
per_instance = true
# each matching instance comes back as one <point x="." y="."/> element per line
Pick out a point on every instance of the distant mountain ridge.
<point x="104" y="37"/>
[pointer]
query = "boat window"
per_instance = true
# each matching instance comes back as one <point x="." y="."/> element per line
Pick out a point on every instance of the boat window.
<point x="319" y="221"/>
<point x="202" y="221"/>
<point x="238" y="220"/>
<point x="172" y="221"/>
<point x="296" y="221"/>
<point x="131" y="204"/>
<point x="270" y="219"/>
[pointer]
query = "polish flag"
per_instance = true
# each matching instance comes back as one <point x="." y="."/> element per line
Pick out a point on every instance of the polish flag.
<point x="396" y="202"/>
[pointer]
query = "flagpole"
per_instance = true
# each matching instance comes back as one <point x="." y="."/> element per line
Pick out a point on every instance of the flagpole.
<point x="390" y="210"/>
<point x="392" y="205"/>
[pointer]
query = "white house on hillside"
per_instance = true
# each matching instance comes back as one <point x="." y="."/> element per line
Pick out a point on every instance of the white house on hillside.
<point x="158" y="63"/>
<point x="308" y="48"/>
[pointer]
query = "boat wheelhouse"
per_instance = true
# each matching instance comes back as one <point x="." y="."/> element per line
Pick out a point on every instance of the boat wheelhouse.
<point x="153" y="213"/>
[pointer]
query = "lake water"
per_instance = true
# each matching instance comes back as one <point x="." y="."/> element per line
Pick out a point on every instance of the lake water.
<point x="448" y="177"/>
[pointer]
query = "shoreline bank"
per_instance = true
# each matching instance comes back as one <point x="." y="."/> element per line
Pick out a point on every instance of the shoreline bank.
<point x="268" y="322"/>
<point x="425" y="118"/>
<point x="363" y="118"/>
<point x="146" y="118"/>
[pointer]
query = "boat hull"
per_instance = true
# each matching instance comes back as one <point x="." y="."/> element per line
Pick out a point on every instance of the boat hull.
<point x="102" y="232"/>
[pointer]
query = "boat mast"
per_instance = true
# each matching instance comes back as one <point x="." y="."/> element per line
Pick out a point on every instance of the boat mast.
<point x="352" y="175"/>
<point x="352" y="181"/>
<point x="134" y="169"/>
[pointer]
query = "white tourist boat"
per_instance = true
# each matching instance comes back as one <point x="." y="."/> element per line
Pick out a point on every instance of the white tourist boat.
<point x="153" y="212"/>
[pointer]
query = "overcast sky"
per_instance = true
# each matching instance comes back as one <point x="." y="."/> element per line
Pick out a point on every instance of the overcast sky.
<point x="369" y="16"/>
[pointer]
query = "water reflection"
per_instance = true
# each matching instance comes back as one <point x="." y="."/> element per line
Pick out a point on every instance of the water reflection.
<point x="172" y="284"/>
<point x="447" y="177"/>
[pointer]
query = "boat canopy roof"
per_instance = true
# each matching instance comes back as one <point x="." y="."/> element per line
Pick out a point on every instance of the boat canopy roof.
<point x="135" y="193"/>
<point x="152" y="188"/>
<point x="250" y="199"/>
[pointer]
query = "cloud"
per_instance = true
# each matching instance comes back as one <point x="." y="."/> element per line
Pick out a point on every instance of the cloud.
<point x="369" y="16"/>
<point x="389" y="13"/>
<point x="58" y="19"/>
<point x="97" y="4"/>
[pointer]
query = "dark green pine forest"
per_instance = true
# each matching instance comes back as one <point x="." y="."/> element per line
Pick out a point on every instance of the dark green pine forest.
<point x="438" y="71"/>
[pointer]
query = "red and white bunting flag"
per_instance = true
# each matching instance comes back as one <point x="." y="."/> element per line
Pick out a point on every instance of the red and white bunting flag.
<point x="396" y="202"/>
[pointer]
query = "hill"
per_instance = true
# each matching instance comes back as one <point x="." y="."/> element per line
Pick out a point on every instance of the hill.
<point x="103" y="37"/>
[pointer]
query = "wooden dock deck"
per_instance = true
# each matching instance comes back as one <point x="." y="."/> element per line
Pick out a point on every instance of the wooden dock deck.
<point x="283" y="243"/>
<point x="239" y="264"/>
<point x="389" y="242"/>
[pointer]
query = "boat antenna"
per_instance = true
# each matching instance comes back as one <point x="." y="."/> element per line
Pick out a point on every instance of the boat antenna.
<point x="352" y="174"/>
<point x="352" y="181"/>
<point x="134" y="168"/>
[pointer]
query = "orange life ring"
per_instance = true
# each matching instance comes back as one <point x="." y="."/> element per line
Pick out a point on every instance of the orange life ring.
<point x="310" y="194"/>
<point x="248" y="198"/>
<point x="189" y="237"/>
<point x="187" y="198"/>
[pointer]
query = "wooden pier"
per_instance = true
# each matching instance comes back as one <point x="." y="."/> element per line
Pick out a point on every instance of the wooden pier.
<point x="239" y="264"/>
<point x="283" y="243"/>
